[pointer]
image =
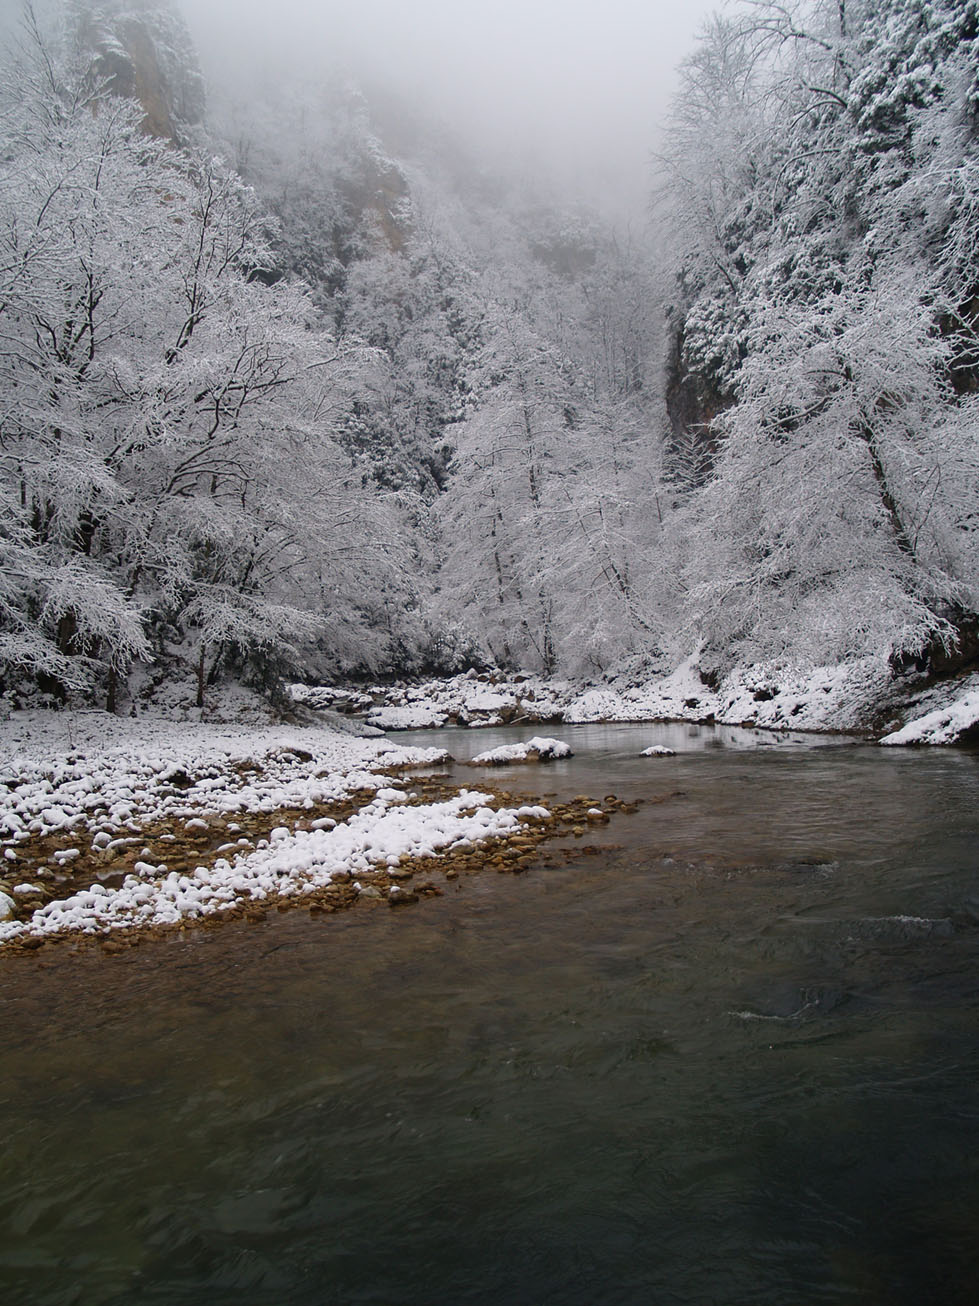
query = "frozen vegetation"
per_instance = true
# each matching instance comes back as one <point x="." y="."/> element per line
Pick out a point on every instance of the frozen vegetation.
<point x="293" y="389"/>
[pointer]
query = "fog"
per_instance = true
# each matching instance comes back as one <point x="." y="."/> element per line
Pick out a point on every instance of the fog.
<point x="577" y="88"/>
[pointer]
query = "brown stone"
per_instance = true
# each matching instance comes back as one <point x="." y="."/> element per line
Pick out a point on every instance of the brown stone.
<point x="402" y="899"/>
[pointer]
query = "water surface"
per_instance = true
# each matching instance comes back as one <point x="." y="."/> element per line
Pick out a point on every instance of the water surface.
<point x="733" y="1058"/>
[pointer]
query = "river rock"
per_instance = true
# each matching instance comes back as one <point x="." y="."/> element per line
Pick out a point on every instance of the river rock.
<point x="537" y="749"/>
<point x="8" y="907"/>
<point x="399" y="897"/>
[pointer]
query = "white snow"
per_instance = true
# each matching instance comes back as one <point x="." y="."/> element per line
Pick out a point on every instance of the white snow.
<point x="423" y="717"/>
<point x="945" y="725"/>
<point x="658" y="750"/>
<point x="109" y="775"/>
<point x="537" y="749"/>
<point x="100" y="777"/>
<point x="768" y="695"/>
<point x="292" y="865"/>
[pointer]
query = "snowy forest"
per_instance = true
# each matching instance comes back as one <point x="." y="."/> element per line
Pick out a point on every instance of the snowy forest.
<point x="293" y="387"/>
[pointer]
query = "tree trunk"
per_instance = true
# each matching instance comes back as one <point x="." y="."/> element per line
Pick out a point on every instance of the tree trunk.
<point x="201" y="676"/>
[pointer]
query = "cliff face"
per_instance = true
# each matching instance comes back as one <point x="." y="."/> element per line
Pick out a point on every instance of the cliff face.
<point x="377" y="198"/>
<point x="143" y="51"/>
<point x="692" y="402"/>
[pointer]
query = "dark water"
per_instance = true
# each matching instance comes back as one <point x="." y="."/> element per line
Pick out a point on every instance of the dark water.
<point x="734" y="1060"/>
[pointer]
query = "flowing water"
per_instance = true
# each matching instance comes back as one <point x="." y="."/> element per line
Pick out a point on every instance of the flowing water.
<point x="731" y="1058"/>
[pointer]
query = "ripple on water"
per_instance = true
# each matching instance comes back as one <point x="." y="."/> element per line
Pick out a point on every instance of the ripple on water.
<point x="733" y="1061"/>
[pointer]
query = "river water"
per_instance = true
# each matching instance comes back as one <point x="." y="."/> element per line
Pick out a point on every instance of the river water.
<point x="731" y="1058"/>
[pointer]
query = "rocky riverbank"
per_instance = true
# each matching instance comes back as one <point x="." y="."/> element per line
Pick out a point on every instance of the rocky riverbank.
<point x="864" y="697"/>
<point x="115" y="830"/>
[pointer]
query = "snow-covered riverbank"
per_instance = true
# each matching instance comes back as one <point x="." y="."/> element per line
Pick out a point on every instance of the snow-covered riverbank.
<point x="110" y="824"/>
<point x="855" y="698"/>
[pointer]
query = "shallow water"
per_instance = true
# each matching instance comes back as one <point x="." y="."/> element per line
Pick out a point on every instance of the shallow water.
<point x="733" y="1059"/>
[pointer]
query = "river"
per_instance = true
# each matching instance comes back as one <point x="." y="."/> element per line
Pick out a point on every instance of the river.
<point x="730" y="1058"/>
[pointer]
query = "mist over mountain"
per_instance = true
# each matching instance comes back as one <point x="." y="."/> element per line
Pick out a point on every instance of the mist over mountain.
<point x="343" y="345"/>
<point x="577" y="90"/>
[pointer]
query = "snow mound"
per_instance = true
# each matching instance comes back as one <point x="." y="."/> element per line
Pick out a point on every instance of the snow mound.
<point x="422" y="717"/>
<point x="946" y="725"/>
<point x="658" y="750"/>
<point x="537" y="749"/>
<point x="488" y="700"/>
<point x="769" y="695"/>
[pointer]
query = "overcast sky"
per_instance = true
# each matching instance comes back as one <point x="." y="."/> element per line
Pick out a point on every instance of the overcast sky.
<point x="585" y="82"/>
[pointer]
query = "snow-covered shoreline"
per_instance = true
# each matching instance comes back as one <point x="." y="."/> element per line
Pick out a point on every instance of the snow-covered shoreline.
<point x="853" y="699"/>
<point x="79" y="791"/>
<point x="120" y="824"/>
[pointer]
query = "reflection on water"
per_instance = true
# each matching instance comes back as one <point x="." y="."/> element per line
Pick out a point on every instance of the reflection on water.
<point x="732" y="1060"/>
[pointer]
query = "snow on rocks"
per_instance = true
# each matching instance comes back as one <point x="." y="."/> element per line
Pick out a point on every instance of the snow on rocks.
<point x="421" y="717"/>
<point x="537" y="749"/>
<point x="290" y="865"/>
<point x="954" y="723"/>
<point x="769" y="695"/>
<point x="658" y="750"/>
<point x="472" y="699"/>
<point x="87" y="785"/>
<point x="91" y="771"/>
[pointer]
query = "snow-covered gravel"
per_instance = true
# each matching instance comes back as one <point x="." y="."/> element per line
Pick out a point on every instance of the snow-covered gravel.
<point x="289" y="865"/>
<point x="71" y="770"/>
<point x="92" y="782"/>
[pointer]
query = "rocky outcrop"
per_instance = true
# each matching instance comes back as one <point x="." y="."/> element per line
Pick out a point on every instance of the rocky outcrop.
<point x="141" y="50"/>
<point x="692" y="402"/>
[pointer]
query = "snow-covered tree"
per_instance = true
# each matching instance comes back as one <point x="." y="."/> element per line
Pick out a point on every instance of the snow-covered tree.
<point x="165" y="447"/>
<point x="816" y="297"/>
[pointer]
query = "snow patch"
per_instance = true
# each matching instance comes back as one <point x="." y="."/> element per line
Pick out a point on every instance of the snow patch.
<point x="945" y="725"/>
